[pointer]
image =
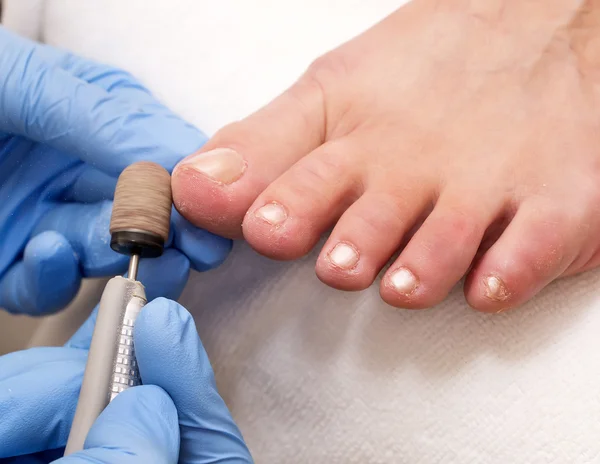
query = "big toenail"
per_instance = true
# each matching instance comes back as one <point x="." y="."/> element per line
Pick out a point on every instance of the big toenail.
<point x="495" y="289"/>
<point x="223" y="165"/>
<point x="273" y="213"/>
<point x="344" y="256"/>
<point x="403" y="281"/>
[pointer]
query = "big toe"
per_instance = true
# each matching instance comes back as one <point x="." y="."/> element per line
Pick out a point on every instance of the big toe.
<point x="215" y="187"/>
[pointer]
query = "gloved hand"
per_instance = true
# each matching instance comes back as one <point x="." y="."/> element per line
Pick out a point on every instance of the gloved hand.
<point x="176" y="416"/>
<point x="68" y="127"/>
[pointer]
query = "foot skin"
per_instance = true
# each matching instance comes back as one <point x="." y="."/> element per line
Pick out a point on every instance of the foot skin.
<point x="464" y="133"/>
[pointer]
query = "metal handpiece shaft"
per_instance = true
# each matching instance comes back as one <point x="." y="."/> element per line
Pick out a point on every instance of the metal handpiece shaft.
<point x="111" y="366"/>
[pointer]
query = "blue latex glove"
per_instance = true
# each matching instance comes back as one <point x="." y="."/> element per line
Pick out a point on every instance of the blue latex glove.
<point x="68" y="127"/>
<point x="176" y="416"/>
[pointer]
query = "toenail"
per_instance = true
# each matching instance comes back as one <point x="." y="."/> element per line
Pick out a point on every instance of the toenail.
<point x="495" y="289"/>
<point x="223" y="165"/>
<point x="273" y="213"/>
<point x="344" y="256"/>
<point x="403" y="281"/>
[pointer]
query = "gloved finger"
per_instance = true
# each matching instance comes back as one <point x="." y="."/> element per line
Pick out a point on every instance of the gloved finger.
<point x="45" y="280"/>
<point x="90" y="186"/>
<point x="139" y="426"/>
<point x="48" y="104"/>
<point x="204" y="250"/>
<point x="86" y="227"/>
<point x="165" y="276"/>
<point x="19" y="362"/>
<point x="114" y="80"/>
<point x="170" y="355"/>
<point x="24" y="188"/>
<point x="38" y="398"/>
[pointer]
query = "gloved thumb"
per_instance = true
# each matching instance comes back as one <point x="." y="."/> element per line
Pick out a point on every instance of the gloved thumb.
<point x="139" y="426"/>
<point x="170" y="355"/>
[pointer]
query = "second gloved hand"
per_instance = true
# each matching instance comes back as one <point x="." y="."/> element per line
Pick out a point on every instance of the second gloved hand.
<point x="68" y="127"/>
<point x="176" y="416"/>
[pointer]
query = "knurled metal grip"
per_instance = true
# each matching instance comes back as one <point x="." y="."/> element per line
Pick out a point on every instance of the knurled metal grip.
<point x="126" y="373"/>
<point x="111" y="366"/>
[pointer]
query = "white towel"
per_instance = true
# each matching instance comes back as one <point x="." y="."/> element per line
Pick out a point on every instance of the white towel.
<point x="314" y="375"/>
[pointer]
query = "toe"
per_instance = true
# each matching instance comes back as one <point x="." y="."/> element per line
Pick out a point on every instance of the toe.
<point x="289" y="217"/>
<point x="214" y="188"/>
<point x="368" y="234"/>
<point x="537" y="246"/>
<point x="439" y="254"/>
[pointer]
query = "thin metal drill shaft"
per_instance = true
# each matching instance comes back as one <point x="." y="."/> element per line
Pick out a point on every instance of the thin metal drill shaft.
<point x="133" y="267"/>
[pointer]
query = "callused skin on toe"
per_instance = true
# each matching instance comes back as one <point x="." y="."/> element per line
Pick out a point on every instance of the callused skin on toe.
<point x="462" y="134"/>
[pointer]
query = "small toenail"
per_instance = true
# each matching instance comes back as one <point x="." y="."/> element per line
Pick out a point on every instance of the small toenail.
<point x="344" y="256"/>
<point x="223" y="165"/>
<point x="495" y="289"/>
<point x="273" y="213"/>
<point x="403" y="281"/>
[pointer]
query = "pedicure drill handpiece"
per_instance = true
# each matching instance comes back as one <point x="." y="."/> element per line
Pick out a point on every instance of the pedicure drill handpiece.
<point x="139" y="228"/>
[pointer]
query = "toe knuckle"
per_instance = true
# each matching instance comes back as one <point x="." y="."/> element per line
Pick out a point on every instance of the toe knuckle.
<point x="452" y="230"/>
<point x="328" y="168"/>
<point x="548" y="249"/>
<point x="234" y="135"/>
<point x="328" y="69"/>
<point x="461" y="226"/>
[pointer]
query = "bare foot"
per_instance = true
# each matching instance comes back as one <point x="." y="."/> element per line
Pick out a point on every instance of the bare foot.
<point x="473" y="124"/>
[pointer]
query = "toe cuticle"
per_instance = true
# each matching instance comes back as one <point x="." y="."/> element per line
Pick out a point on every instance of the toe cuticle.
<point x="495" y="288"/>
<point x="344" y="256"/>
<point x="221" y="165"/>
<point x="403" y="281"/>
<point x="272" y="213"/>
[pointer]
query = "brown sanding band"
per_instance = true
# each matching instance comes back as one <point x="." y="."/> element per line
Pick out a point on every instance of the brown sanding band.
<point x="143" y="200"/>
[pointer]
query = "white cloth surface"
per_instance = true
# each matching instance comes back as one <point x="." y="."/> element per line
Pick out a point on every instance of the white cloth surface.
<point x="313" y="375"/>
<point x="24" y="17"/>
